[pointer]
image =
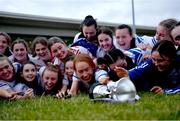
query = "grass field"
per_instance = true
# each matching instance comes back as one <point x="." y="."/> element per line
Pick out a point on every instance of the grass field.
<point x="153" y="107"/>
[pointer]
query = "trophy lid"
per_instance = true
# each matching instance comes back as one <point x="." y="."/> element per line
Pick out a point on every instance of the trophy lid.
<point x="125" y="90"/>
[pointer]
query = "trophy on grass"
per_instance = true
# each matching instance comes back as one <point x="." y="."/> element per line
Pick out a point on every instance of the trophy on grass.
<point x="122" y="90"/>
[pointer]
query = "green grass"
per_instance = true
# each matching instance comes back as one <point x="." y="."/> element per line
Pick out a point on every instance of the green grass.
<point x="156" y="107"/>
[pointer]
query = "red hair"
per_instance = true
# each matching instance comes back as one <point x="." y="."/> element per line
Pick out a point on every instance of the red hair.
<point x="83" y="58"/>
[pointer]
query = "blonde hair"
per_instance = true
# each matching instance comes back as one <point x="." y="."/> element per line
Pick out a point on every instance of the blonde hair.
<point x="168" y="23"/>
<point x="3" y="57"/>
<point x="52" y="67"/>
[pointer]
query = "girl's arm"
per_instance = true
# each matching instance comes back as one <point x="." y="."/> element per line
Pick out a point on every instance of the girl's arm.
<point x="102" y="76"/>
<point x="62" y="93"/>
<point x="138" y="72"/>
<point x="6" y="94"/>
<point x="159" y="90"/>
<point x="74" y="87"/>
<point x="27" y="94"/>
<point x="11" y="95"/>
<point x="64" y="89"/>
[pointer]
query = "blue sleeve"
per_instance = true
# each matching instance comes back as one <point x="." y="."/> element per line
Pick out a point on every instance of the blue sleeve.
<point x="137" y="55"/>
<point x="139" y="39"/>
<point x="5" y="86"/>
<point x="88" y="45"/>
<point x="100" y="74"/>
<point x="138" y="72"/>
<point x="172" y="91"/>
<point x="17" y="66"/>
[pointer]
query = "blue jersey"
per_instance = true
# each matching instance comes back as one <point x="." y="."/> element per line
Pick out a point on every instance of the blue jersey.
<point x="13" y="86"/>
<point x="145" y="40"/>
<point x="86" y="44"/>
<point x="172" y="91"/>
<point x="145" y="76"/>
<point x="136" y="54"/>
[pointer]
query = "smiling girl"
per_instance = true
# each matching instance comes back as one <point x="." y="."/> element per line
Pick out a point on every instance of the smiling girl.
<point x="29" y="77"/>
<point x="5" y="41"/>
<point x="85" y="74"/>
<point x="8" y="81"/>
<point x="105" y="41"/>
<point x="60" y="51"/>
<point x="51" y="79"/>
<point x="20" y="52"/>
<point x="159" y="73"/>
<point x="41" y="51"/>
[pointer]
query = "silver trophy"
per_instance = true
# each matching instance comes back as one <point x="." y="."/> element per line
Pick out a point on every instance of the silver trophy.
<point x="122" y="90"/>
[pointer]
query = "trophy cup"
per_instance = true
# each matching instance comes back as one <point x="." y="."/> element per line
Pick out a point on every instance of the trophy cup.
<point x="122" y="90"/>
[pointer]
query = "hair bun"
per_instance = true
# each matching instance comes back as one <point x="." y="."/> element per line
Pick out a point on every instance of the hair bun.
<point x="101" y="61"/>
<point x="89" y="17"/>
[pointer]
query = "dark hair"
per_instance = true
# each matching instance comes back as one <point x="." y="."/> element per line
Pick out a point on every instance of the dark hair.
<point x="88" y="16"/>
<point x="88" y="21"/>
<point x="165" y="48"/>
<point x="29" y="62"/>
<point x="21" y="79"/>
<point x="20" y="41"/>
<point x="8" y="38"/>
<point x="105" y="30"/>
<point x="124" y="26"/>
<point x="37" y="40"/>
<point x="178" y="23"/>
<point x="69" y="58"/>
<point x="111" y="57"/>
<point x="54" y="40"/>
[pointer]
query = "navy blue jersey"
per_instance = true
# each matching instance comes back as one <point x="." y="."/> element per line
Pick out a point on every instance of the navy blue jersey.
<point x="145" y="76"/>
<point x="86" y="44"/>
